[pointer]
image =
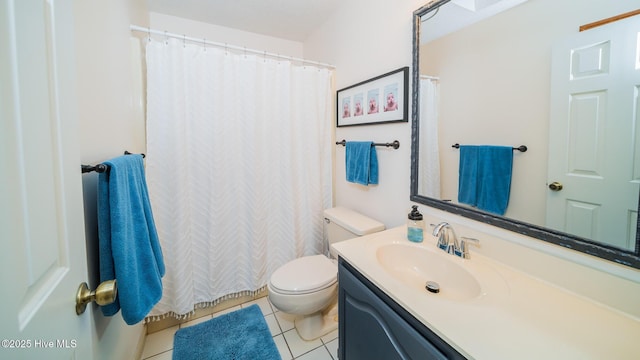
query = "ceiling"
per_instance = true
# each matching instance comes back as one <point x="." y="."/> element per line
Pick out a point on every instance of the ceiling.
<point x="286" y="19"/>
<point x="459" y="14"/>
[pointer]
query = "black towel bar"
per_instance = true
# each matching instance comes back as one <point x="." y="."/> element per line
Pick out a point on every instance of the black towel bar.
<point x="522" y="148"/>
<point x="128" y="153"/>
<point x="395" y="144"/>
<point x="100" y="168"/>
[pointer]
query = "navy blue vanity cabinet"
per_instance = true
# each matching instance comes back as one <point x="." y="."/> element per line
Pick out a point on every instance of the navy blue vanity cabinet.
<point x="373" y="326"/>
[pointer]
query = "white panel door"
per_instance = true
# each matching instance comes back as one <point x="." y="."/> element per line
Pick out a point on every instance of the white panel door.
<point x="42" y="251"/>
<point x="593" y="140"/>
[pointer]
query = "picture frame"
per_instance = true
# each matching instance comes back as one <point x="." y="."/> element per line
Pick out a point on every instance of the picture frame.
<point x="380" y="100"/>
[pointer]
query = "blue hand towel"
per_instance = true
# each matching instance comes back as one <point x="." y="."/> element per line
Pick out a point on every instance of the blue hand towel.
<point x="485" y="177"/>
<point x="128" y="242"/>
<point x="361" y="162"/>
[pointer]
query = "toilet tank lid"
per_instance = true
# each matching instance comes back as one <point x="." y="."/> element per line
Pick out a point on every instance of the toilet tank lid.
<point x="353" y="221"/>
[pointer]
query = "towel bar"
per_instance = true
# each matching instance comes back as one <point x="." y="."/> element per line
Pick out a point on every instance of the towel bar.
<point x="100" y="168"/>
<point x="395" y="144"/>
<point x="521" y="148"/>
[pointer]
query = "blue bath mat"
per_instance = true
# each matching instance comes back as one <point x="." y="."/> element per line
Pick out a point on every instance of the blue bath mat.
<point x="238" y="335"/>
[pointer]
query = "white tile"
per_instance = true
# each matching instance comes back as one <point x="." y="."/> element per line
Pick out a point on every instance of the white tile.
<point x="330" y="336"/>
<point x="270" y="303"/>
<point x="297" y="345"/>
<point x="273" y="325"/>
<point x="273" y="308"/>
<point x="167" y="355"/>
<point x="159" y="342"/>
<point x="263" y="303"/>
<point x="320" y="353"/>
<point x="195" y="321"/>
<point x="286" y="321"/>
<point x="283" y="349"/>
<point x="332" y="346"/>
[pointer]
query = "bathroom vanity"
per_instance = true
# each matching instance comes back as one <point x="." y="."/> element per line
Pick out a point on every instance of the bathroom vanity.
<point x="373" y="326"/>
<point x="484" y="310"/>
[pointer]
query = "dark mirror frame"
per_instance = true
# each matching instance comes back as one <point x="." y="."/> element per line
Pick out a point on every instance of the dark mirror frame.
<point x="572" y="242"/>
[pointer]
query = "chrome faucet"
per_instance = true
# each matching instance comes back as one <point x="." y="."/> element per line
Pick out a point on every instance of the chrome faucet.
<point x="448" y="241"/>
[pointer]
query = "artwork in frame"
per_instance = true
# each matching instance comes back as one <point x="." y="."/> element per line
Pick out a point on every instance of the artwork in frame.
<point x="380" y="100"/>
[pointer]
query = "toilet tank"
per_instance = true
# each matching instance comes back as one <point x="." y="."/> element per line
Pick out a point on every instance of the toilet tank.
<point x="343" y="224"/>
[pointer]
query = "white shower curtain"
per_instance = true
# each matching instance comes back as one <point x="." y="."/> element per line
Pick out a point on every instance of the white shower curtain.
<point x="429" y="184"/>
<point x="238" y="167"/>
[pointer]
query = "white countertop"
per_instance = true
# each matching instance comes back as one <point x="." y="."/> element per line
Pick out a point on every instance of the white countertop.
<point x="516" y="316"/>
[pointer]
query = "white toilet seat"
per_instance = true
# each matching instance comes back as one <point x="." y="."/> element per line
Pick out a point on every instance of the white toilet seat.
<point x="304" y="275"/>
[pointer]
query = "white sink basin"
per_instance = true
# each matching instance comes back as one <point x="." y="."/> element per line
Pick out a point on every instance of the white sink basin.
<point x="414" y="266"/>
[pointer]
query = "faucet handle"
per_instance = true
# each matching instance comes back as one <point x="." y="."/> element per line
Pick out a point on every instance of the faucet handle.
<point x="464" y="247"/>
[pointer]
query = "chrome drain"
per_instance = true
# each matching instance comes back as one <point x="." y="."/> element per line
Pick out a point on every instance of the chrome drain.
<point x="433" y="287"/>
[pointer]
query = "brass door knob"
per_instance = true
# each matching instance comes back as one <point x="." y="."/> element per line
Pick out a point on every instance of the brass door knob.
<point x="555" y="186"/>
<point x="105" y="294"/>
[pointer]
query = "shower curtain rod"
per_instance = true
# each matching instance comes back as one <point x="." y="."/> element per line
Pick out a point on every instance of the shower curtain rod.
<point x="226" y="46"/>
<point x="429" y="77"/>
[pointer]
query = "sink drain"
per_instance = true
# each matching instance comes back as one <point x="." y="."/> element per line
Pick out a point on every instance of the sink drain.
<point x="433" y="287"/>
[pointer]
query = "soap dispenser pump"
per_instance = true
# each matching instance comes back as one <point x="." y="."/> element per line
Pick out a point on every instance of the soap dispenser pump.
<point x="415" y="225"/>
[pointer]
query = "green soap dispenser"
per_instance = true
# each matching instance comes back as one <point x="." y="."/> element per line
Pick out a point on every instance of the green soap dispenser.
<point x="415" y="225"/>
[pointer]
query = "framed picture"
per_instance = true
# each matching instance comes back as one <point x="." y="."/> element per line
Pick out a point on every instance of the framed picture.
<point x="380" y="100"/>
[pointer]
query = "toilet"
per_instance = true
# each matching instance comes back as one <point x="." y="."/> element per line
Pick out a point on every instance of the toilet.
<point x="307" y="287"/>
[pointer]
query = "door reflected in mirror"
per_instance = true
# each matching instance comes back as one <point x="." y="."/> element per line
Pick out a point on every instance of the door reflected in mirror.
<point x="500" y="77"/>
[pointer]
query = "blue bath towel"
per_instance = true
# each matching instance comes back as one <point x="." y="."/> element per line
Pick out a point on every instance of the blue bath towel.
<point x="361" y="162"/>
<point x="485" y="177"/>
<point x="128" y="242"/>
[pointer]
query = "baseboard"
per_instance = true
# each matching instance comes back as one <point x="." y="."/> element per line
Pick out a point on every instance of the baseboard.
<point x="142" y="337"/>
<point x="155" y="326"/>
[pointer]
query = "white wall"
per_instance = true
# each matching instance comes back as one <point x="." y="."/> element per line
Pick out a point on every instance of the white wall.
<point x="364" y="39"/>
<point x="224" y="35"/>
<point x="110" y="121"/>
<point x="477" y="68"/>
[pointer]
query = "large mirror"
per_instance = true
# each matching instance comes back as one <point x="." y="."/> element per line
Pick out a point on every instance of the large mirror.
<point x="518" y="72"/>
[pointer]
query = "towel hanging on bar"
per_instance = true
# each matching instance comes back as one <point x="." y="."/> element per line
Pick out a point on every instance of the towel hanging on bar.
<point x="484" y="177"/>
<point x="361" y="163"/>
<point x="395" y="144"/>
<point x="129" y="248"/>
<point x="521" y="148"/>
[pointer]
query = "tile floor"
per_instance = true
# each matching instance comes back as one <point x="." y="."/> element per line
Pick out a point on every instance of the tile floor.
<point x="159" y="345"/>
